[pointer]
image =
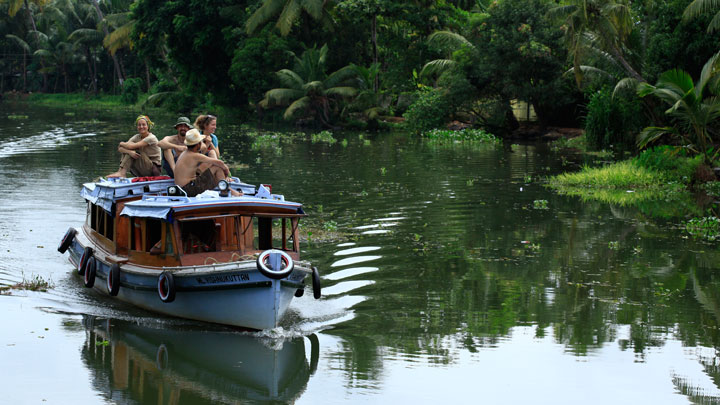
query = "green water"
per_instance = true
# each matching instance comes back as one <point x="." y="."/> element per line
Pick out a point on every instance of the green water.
<point x="443" y="280"/>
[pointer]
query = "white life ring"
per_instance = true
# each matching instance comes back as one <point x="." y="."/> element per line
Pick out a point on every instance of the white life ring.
<point x="288" y="264"/>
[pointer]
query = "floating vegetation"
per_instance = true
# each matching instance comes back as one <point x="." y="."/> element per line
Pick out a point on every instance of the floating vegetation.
<point x="580" y="144"/>
<point x="463" y="135"/>
<point x="540" y="204"/>
<point x="35" y="283"/>
<point x="707" y="228"/>
<point x="383" y="171"/>
<point x="323" y="137"/>
<point x="614" y="245"/>
<point x="17" y="117"/>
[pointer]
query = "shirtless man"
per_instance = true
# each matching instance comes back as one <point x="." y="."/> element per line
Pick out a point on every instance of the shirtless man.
<point x="173" y="145"/>
<point x="195" y="172"/>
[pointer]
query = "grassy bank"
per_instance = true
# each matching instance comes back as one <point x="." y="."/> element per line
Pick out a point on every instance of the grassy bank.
<point x="80" y="100"/>
<point x="659" y="174"/>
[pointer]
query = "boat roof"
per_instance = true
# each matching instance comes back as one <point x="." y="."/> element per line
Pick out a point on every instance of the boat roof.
<point x="163" y="206"/>
<point x="105" y="192"/>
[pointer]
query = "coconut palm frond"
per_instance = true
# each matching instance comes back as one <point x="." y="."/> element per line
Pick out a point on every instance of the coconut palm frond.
<point x="301" y="104"/>
<point x="278" y="97"/>
<point x="86" y="36"/>
<point x="290" y="79"/>
<point x="592" y="70"/>
<point x="449" y="41"/>
<point x="437" y="67"/>
<point x="263" y="14"/>
<point x="316" y="86"/>
<point x="19" y="42"/>
<point x="118" y="19"/>
<point x="340" y="76"/>
<point x="651" y="134"/>
<point x="627" y="84"/>
<point x="341" y="91"/>
<point x="709" y="70"/>
<point x="43" y="53"/>
<point x="561" y="11"/>
<point x="313" y="7"/>
<point x="698" y="8"/>
<point x="120" y="38"/>
<point x="289" y="14"/>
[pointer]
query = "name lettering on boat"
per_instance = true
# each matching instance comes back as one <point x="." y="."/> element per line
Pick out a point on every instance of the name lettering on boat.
<point x="224" y="278"/>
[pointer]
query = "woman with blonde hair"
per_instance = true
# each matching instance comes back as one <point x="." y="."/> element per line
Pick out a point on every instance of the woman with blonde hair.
<point x="141" y="153"/>
<point x="207" y="124"/>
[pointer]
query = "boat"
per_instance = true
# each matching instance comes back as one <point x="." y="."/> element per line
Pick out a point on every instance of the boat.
<point x="213" y="257"/>
<point x="173" y="364"/>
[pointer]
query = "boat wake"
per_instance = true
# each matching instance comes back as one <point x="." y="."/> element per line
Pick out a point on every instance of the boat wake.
<point x="47" y="140"/>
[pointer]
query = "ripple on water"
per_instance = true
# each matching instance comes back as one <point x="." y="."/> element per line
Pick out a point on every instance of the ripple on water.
<point x="356" y="250"/>
<point x="350" y="272"/>
<point x="354" y="260"/>
<point x="345" y="287"/>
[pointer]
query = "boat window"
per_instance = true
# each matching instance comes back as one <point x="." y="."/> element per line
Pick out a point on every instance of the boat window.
<point x="100" y="221"/>
<point x="200" y="236"/>
<point x="274" y="233"/>
<point x="153" y="234"/>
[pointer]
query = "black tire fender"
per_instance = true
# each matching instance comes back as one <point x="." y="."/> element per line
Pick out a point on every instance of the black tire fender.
<point x="166" y="287"/>
<point x="316" y="283"/>
<point x="67" y="240"/>
<point x="90" y="272"/>
<point x="113" y="280"/>
<point x="87" y="254"/>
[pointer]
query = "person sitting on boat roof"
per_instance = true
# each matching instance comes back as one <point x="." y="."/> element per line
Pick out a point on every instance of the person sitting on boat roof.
<point x="195" y="172"/>
<point x="173" y="145"/>
<point x="207" y="124"/>
<point x="140" y="154"/>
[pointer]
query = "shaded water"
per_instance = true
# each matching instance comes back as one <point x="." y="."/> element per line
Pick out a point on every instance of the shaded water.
<point x="445" y="282"/>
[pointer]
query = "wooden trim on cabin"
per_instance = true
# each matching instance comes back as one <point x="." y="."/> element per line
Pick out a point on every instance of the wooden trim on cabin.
<point x="98" y="238"/>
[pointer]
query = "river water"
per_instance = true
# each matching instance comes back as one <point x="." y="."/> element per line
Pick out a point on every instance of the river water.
<point x="450" y="273"/>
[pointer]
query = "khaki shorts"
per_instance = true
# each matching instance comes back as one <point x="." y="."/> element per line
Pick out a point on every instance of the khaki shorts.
<point x="205" y="181"/>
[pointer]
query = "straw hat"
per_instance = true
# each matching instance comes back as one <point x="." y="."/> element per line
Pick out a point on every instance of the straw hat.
<point x="193" y="137"/>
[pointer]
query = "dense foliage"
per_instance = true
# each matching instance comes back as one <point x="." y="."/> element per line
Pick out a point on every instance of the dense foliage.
<point x="431" y="61"/>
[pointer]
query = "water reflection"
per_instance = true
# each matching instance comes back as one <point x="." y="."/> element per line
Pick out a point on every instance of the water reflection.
<point x="135" y="364"/>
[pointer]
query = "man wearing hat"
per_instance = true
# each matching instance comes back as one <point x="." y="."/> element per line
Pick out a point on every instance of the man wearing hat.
<point x="195" y="172"/>
<point x="173" y="145"/>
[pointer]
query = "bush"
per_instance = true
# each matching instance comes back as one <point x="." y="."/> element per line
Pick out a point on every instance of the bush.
<point x="613" y="122"/>
<point x="429" y="111"/>
<point x="671" y="160"/>
<point x="131" y="90"/>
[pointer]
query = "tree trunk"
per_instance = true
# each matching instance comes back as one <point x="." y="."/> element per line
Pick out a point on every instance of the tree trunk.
<point x="24" y="71"/>
<point x="88" y="56"/>
<point x="147" y="75"/>
<point x="118" y="73"/>
<point x="376" y="82"/>
<point x="626" y="65"/>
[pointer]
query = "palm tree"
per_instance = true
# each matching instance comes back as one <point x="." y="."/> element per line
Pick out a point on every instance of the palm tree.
<point x="308" y="90"/>
<point x="16" y="5"/>
<point x="449" y="42"/>
<point x="22" y="44"/>
<point x="700" y="7"/>
<point x="693" y="106"/>
<point x="288" y="11"/>
<point x="602" y="24"/>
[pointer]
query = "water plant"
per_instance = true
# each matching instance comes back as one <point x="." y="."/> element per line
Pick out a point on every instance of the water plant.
<point x="323" y="137"/>
<point x="17" y="117"/>
<point x="383" y="171"/>
<point x="467" y="134"/>
<point x="540" y="204"/>
<point x="34" y="283"/>
<point x="614" y="245"/>
<point x="707" y="228"/>
<point x="330" y="226"/>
